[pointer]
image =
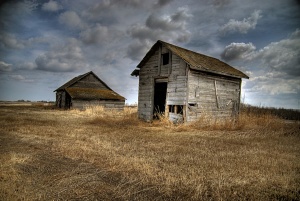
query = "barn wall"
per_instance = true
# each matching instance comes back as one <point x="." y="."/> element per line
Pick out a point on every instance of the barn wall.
<point x="90" y="81"/>
<point x="214" y="95"/>
<point x="175" y="74"/>
<point x="146" y="87"/>
<point x="63" y="99"/>
<point x="177" y="90"/>
<point x="109" y="104"/>
<point x="164" y="70"/>
<point x="58" y="99"/>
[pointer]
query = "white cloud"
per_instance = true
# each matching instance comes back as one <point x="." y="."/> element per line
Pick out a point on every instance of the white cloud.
<point x="241" y="26"/>
<point x="275" y="67"/>
<point x="51" y="6"/>
<point x="273" y="84"/>
<point x="65" y="58"/>
<point x="99" y="34"/>
<point x="5" y="67"/>
<point x="283" y="55"/>
<point x="72" y="20"/>
<point x="20" y="78"/>
<point x="238" y="51"/>
<point x="26" y="65"/>
<point x="17" y="77"/>
<point x="11" y="41"/>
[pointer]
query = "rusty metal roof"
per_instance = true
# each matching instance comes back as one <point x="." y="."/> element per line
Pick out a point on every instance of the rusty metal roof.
<point x="93" y="94"/>
<point x="196" y="61"/>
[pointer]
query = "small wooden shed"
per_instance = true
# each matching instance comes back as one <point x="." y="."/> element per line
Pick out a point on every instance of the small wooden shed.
<point x="185" y="85"/>
<point x="87" y="90"/>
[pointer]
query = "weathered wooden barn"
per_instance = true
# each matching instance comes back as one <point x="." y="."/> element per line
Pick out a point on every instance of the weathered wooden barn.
<point x="87" y="90"/>
<point x="185" y="85"/>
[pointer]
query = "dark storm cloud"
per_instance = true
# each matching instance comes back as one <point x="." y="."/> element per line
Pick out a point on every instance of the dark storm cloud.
<point x="220" y="3"/>
<point x="161" y="3"/>
<point x="171" y="28"/>
<point x="176" y="21"/>
<point x="137" y="50"/>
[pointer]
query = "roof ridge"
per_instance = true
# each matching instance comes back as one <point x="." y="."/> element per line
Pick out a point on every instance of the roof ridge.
<point x="79" y="77"/>
<point x="191" y="51"/>
<point x="196" y="60"/>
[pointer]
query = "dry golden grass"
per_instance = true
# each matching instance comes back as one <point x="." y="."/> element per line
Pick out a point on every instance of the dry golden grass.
<point x="96" y="154"/>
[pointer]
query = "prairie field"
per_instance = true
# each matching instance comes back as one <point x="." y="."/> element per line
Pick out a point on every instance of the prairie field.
<point x="51" y="154"/>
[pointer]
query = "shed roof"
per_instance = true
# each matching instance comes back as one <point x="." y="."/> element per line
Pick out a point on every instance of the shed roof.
<point x="93" y="94"/>
<point x="196" y="61"/>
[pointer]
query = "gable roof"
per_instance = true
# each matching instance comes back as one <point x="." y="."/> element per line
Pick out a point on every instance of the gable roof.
<point x="89" y="93"/>
<point x="79" y="77"/>
<point x="196" y="61"/>
<point x="93" y="94"/>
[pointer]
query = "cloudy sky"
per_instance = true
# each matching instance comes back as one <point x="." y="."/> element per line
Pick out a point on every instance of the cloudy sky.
<point x="43" y="44"/>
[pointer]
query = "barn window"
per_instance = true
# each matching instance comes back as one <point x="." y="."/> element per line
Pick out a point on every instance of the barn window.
<point x="171" y="108"/>
<point x="165" y="58"/>
<point x="176" y="109"/>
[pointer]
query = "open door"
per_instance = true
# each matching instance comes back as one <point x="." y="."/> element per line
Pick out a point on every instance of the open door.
<point x="160" y="94"/>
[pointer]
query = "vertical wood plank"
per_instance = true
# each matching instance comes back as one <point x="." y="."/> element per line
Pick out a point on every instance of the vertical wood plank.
<point x="216" y="94"/>
<point x="159" y="60"/>
<point x="167" y="110"/>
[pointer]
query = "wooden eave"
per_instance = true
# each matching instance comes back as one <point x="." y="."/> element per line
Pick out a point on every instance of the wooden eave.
<point x="93" y="94"/>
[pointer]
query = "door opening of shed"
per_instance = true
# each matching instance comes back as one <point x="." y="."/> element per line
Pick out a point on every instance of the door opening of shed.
<point x="160" y="94"/>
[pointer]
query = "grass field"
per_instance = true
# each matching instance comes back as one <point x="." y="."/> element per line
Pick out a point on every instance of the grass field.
<point x="49" y="154"/>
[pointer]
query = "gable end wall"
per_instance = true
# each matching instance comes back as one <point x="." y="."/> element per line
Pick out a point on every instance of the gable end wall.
<point x="176" y="75"/>
<point x="90" y="81"/>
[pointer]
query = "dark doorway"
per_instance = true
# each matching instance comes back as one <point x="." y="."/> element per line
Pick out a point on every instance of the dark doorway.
<point x="160" y="94"/>
<point x="68" y="101"/>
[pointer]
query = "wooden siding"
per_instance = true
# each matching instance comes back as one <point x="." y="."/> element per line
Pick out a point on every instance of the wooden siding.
<point x="146" y="87"/>
<point x="177" y="85"/>
<point x="196" y="84"/>
<point x="82" y="104"/>
<point x="90" y="81"/>
<point x="175" y="74"/>
<point x="214" y="95"/>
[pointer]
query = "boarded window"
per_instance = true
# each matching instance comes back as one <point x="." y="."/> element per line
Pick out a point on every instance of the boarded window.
<point x="165" y="58"/>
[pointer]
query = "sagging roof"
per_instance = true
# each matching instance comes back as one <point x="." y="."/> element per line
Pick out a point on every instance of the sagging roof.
<point x="79" y="77"/>
<point x="93" y="94"/>
<point x="195" y="60"/>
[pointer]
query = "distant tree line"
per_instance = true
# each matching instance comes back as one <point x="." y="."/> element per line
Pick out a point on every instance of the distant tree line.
<point x="288" y="114"/>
